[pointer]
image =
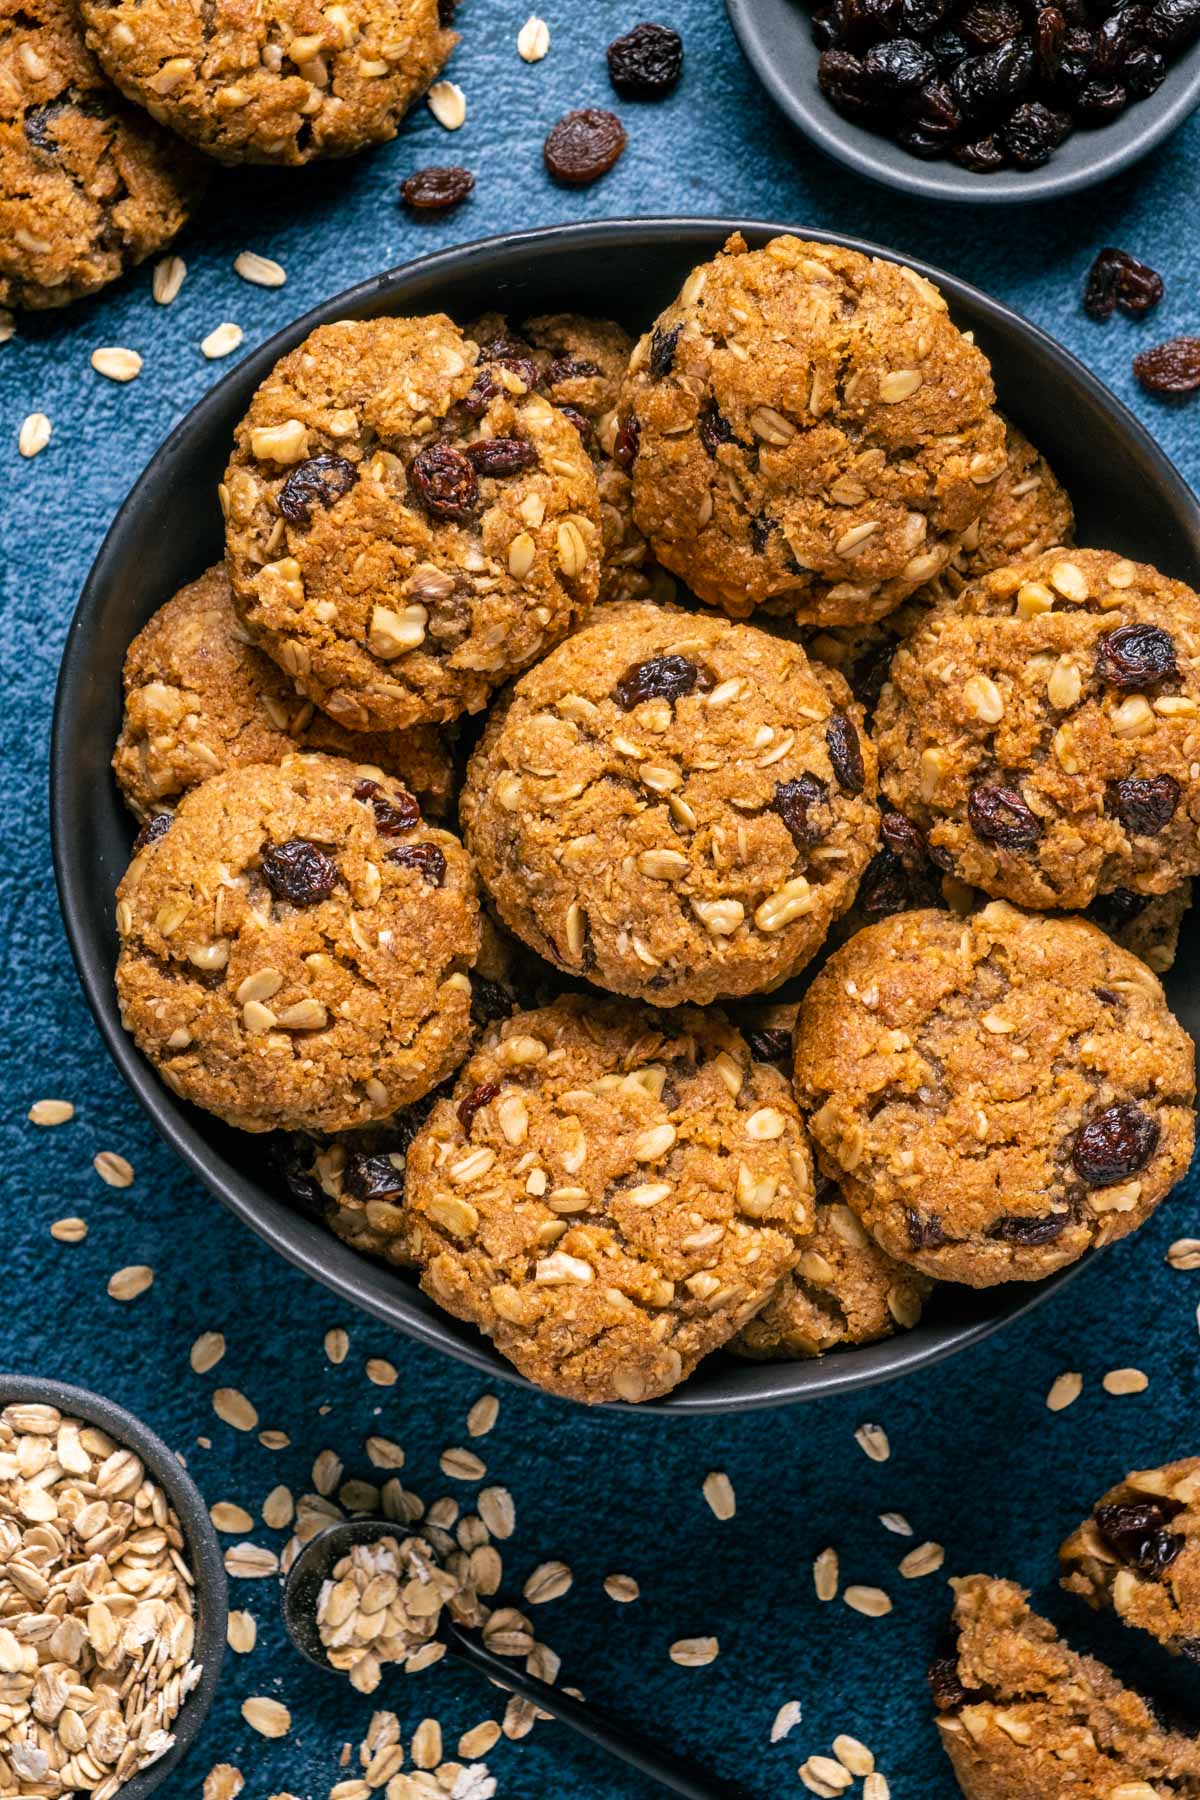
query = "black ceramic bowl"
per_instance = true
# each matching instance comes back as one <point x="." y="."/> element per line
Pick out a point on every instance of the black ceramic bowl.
<point x="1128" y="497"/>
<point x="777" y="40"/>
<point x="203" y="1550"/>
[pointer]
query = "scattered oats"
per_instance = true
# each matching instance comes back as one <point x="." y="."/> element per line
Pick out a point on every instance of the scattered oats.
<point x="822" y="1775"/>
<point x="34" y="434"/>
<point x="926" y="1559"/>
<point x="223" y="1782"/>
<point x="274" y="1440"/>
<point x="1125" y="1381"/>
<point x="262" y="271"/>
<point x="694" y="1653"/>
<point x="51" y="1112"/>
<point x="116" y="363"/>
<point x="533" y="39"/>
<point x="426" y="1746"/>
<point x="241" y="1633"/>
<point x="69" y="1231"/>
<point x="327" y="1472"/>
<point x="207" y="1351"/>
<point x="872" y="1440"/>
<point x="480" y="1739"/>
<point x="270" y="1718"/>
<point x="519" y="1718"/>
<point x="221" y="342"/>
<point x="169" y="276"/>
<point x="825" y="1575"/>
<point x="382" y="1372"/>
<point x="786" y="1719"/>
<point x="621" y="1588"/>
<point x="384" y="1454"/>
<point x="278" y="1509"/>
<point x="337" y="1345"/>
<point x="227" y="1516"/>
<point x="1184" y="1253"/>
<point x="549" y="1581"/>
<point x="497" y="1511"/>
<point x="1065" y="1389"/>
<point x="875" y="1787"/>
<point x="893" y="1521"/>
<point x="128" y="1283"/>
<point x="718" y="1491"/>
<point x="8" y="325"/>
<point x="869" y="1600"/>
<point x="113" y="1169"/>
<point x="483" y="1415"/>
<point x="447" y="103"/>
<point x="250" y="1562"/>
<point x="852" y="1754"/>
<point x="462" y="1465"/>
<point x="234" y="1409"/>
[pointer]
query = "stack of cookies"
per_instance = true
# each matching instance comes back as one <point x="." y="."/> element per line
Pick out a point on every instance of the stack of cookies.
<point x="753" y="660"/>
<point x="109" y="107"/>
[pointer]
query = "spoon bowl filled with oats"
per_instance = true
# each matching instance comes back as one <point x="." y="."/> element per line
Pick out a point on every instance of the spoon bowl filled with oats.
<point x="112" y="1598"/>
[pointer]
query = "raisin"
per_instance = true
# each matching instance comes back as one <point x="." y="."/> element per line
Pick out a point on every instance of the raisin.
<point x="896" y="68"/>
<point x="924" y="1229"/>
<point x="583" y="145"/>
<point x="500" y="456"/>
<point x="1136" y="1534"/>
<point x="1146" y="805"/>
<point x="426" y="857"/>
<point x="1120" y="33"/>
<point x="761" y="527"/>
<point x="645" y="63"/>
<point x="1170" y="368"/>
<point x="1115" y="1144"/>
<point x="984" y="156"/>
<point x="770" y="1045"/>
<point x="1032" y="133"/>
<point x="1118" y="907"/>
<point x="845" y="753"/>
<point x="436" y="189"/>
<point x="825" y="29"/>
<point x="1012" y="1229"/>
<point x="794" y="802"/>
<point x="489" y="1002"/>
<point x="1135" y="656"/>
<point x="1049" y="28"/>
<point x="299" y="871"/>
<point x="1173" y="24"/>
<point x="948" y="48"/>
<point x="474" y="1102"/>
<point x="302" y="1185"/>
<point x="662" y="350"/>
<point x="984" y="84"/>
<point x="568" y="368"/>
<point x="392" y="817"/>
<point x="155" y="827"/>
<point x="39" y="121"/>
<point x="371" y="1177"/>
<point x="445" y="484"/>
<point x="626" y="447"/>
<point x="583" y="426"/>
<point x="934" y="111"/>
<point x="318" y="482"/>
<point x="918" y="18"/>
<point x="661" y="678"/>
<point x="715" y="428"/>
<point x="1144" y="72"/>
<point x="946" y="1685"/>
<point x="843" y="81"/>
<point x="998" y="815"/>
<point x="987" y="23"/>
<point x="484" y="390"/>
<point x="1118" y="279"/>
<point x="1099" y="101"/>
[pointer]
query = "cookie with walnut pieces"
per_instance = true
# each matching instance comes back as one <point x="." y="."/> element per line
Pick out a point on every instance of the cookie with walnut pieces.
<point x="296" y="947"/>
<point x="806" y="426"/>
<point x="278" y="84"/>
<point x="88" y="186"/>
<point x="610" y="1194"/>
<point x="200" y="698"/>
<point x="403" y="531"/>
<point x="674" y="806"/>
<point x="1139" y="1553"/>
<point x="1043" y="730"/>
<point x="1022" y="1716"/>
<point x="996" y="1094"/>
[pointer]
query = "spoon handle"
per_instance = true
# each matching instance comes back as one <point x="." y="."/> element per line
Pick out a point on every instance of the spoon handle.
<point x="676" y="1773"/>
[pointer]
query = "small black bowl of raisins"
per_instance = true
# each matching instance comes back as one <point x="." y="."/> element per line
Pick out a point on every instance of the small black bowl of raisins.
<point x="978" y="100"/>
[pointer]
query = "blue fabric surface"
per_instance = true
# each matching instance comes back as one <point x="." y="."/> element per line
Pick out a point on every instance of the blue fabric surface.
<point x="977" y="1461"/>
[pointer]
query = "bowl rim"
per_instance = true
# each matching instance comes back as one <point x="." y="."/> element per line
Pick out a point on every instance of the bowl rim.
<point x="204" y="1549"/>
<point x="306" y="1245"/>
<point x="839" y="138"/>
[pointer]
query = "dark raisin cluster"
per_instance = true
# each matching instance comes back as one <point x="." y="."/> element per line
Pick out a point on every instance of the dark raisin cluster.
<point x="995" y="84"/>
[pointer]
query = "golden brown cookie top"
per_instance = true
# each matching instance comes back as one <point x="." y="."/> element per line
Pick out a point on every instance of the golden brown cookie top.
<point x="282" y="84"/>
<point x="295" y="947"/>
<point x="999" y="1093"/>
<point x="610" y="1193"/>
<point x="1139" y="1553"/>
<point x="403" y="532"/>
<point x="87" y="186"/>
<point x="807" y="425"/>
<point x="1042" y="729"/>
<point x="201" y="698"/>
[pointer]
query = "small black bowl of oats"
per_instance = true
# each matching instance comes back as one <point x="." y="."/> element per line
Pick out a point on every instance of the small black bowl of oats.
<point x="86" y="1486"/>
<point x="992" y="102"/>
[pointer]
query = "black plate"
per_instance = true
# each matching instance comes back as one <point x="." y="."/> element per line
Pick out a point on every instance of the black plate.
<point x="1129" y="497"/>
<point x="776" y="37"/>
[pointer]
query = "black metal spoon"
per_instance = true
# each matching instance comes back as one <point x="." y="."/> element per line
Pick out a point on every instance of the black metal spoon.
<point x="303" y="1586"/>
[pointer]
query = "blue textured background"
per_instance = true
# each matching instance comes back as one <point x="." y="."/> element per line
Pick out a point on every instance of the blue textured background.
<point x="977" y="1461"/>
